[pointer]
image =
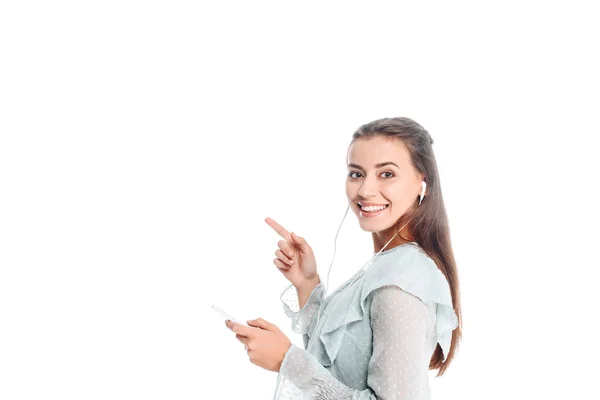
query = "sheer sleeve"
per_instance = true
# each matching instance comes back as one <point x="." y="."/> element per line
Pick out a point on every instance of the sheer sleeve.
<point x="398" y="368"/>
<point x="302" y="318"/>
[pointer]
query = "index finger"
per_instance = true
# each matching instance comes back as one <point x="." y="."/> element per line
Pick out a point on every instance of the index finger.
<point x="279" y="229"/>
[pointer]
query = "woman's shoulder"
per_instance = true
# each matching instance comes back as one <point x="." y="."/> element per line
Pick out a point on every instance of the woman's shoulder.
<point x="413" y="271"/>
<point x="409" y="267"/>
<point x="408" y="257"/>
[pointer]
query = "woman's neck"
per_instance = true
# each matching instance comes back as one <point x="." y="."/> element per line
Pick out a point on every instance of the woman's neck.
<point x="381" y="238"/>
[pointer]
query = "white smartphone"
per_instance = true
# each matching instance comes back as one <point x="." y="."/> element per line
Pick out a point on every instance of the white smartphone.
<point x="223" y="313"/>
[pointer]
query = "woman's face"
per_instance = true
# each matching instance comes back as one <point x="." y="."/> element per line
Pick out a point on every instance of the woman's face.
<point x="380" y="173"/>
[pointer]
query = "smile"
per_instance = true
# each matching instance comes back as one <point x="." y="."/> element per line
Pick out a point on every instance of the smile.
<point x="372" y="211"/>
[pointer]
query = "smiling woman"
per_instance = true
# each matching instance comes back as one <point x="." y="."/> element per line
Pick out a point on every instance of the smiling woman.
<point x="397" y="317"/>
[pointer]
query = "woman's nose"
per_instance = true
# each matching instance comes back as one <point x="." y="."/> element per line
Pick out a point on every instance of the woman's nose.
<point x="367" y="189"/>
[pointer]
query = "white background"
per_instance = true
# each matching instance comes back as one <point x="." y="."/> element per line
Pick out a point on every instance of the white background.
<point x="144" y="143"/>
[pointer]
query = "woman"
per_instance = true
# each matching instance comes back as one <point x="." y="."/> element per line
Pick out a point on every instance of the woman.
<point x="377" y="336"/>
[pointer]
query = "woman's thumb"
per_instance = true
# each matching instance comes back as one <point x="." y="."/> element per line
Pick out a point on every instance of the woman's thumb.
<point x="300" y="241"/>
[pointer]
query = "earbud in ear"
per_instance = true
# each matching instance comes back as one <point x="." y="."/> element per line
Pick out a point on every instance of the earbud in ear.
<point x="423" y="187"/>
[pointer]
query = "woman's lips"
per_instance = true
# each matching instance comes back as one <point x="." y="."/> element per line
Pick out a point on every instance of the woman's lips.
<point x="371" y="214"/>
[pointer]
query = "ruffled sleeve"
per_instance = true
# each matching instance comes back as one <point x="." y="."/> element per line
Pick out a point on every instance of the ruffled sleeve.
<point x="301" y="318"/>
<point x="407" y="267"/>
<point x="398" y="368"/>
<point x="416" y="273"/>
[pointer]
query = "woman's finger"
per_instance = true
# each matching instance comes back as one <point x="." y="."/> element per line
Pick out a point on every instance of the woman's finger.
<point x="242" y="339"/>
<point x="281" y="265"/>
<point x="283" y="257"/>
<point x="301" y="243"/>
<point x="278" y="228"/>
<point x="286" y="248"/>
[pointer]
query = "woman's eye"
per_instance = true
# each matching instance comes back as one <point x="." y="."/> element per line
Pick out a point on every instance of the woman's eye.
<point x="389" y="173"/>
<point x="352" y="173"/>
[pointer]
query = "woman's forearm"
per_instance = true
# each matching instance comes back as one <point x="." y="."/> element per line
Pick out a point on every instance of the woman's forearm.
<point x="306" y="289"/>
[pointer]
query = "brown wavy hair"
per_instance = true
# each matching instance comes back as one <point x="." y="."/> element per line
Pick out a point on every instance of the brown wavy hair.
<point x="427" y="223"/>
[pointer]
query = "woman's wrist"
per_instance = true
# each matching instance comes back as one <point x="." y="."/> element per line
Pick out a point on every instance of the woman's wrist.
<point x="309" y="284"/>
<point x="305" y="289"/>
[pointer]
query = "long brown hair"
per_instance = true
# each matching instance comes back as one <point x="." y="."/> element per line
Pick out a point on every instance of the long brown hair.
<point x="427" y="223"/>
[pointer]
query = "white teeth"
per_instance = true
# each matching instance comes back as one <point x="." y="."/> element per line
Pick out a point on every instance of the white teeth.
<point x="373" y="208"/>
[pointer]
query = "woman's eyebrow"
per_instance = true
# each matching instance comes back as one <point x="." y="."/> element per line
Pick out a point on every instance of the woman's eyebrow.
<point x="383" y="164"/>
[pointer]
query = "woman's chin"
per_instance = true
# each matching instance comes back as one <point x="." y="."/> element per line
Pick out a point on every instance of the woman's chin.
<point x="373" y="227"/>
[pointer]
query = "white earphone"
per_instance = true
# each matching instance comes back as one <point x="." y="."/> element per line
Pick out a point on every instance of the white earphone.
<point x="423" y="187"/>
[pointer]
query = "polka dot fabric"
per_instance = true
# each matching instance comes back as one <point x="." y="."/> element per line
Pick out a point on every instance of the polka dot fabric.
<point x="375" y="336"/>
<point x="403" y="342"/>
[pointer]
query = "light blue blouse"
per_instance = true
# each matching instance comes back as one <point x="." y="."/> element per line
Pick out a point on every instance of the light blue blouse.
<point x="376" y="333"/>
